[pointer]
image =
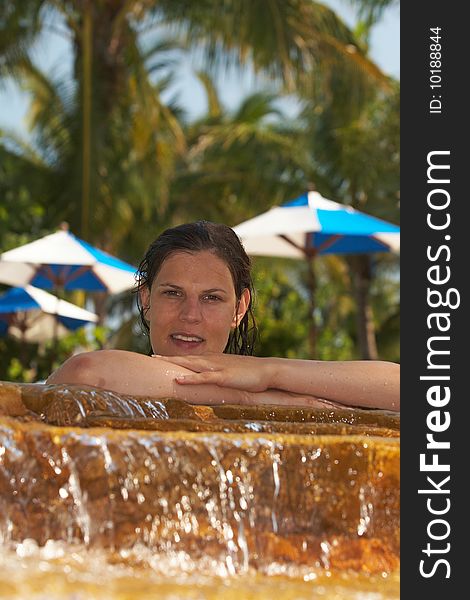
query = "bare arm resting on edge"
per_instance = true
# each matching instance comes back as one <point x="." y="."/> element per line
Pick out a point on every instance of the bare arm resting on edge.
<point x="135" y="374"/>
<point x="366" y="384"/>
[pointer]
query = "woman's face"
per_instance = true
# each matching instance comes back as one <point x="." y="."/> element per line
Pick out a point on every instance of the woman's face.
<point x="192" y="304"/>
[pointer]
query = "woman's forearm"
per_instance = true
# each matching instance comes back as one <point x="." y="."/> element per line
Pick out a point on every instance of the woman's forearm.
<point x="357" y="383"/>
<point x="136" y="374"/>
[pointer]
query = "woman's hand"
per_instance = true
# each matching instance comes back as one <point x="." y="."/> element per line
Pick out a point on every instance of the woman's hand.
<point x="246" y="376"/>
<point x="225" y="370"/>
<point x="363" y="384"/>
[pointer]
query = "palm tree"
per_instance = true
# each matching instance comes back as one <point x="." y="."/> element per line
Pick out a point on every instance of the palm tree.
<point x="133" y="152"/>
<point x="238" y="162"/>
<point x="299" y="42"/>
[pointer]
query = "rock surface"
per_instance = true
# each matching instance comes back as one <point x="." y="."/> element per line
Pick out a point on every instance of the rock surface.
<point x="246" y="487"/>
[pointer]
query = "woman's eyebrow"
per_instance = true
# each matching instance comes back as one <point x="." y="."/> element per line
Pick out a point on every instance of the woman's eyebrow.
<point x="168" y="284"/>
<point x="178" y="287"/>
<point x="212" y="290"/>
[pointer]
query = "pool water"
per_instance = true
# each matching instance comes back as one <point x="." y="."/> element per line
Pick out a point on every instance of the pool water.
<point x="66" y="572"/>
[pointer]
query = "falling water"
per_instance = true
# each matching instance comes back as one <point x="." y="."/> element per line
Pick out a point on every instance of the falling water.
<point x="187" y="500"/>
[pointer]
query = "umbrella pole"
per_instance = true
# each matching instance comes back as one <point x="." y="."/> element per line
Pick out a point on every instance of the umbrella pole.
<point x="24" y="349"/>
<point x="312" y="284"/>
<point x="55" y="336"/>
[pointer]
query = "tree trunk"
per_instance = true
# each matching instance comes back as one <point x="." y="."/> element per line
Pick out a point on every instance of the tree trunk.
<point x="362" y="277"/>
<point x="87" y="42"/>
<point x="100" y="302"/>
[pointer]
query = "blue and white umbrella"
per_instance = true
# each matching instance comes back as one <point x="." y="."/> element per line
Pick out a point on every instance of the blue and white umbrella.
<point x="33" y="315"/>
<point x="312" y="225"/>
<point x="62" y="261"/>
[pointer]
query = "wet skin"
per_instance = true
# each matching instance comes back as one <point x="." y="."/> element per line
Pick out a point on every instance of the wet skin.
<point x="192" y="306"/>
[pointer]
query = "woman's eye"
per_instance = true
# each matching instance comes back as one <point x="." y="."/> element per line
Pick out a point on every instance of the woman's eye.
<point x="212" y="298"/>
<point x="171" y="293"/>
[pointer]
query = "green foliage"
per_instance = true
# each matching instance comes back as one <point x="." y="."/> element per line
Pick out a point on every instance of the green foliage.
<point x="282" y="309"/>
<point x="34" y="362"/>
<point x="281" y="313"/>
<point x="385" y="293"/>
<point x="22" y="212"/>
<point x="238" y="162"/>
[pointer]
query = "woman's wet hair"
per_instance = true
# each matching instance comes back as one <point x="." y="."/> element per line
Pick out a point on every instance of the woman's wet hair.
<point x="225" y="244"/>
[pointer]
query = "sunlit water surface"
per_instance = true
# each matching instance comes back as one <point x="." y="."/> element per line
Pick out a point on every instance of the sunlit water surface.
<point x="61" y="571"/>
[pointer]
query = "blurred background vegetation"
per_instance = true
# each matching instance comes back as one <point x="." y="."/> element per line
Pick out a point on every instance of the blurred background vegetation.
<point x="113" y="154"/>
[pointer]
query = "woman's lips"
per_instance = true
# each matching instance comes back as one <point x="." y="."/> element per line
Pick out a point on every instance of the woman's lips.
<point x="186" y="340"/>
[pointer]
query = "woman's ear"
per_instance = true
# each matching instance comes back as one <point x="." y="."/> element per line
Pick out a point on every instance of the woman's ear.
<point x="144" y="295"/>
<point x="242" y="307"/>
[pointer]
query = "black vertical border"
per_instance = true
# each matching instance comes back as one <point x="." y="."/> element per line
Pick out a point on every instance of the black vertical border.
<point x="421" y="133"/>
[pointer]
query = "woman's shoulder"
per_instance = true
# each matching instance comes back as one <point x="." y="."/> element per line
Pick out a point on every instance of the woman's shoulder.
<point x="88" y="367"/>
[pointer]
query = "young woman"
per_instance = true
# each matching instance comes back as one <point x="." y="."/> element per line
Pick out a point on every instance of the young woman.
<point x="195" y="299"/>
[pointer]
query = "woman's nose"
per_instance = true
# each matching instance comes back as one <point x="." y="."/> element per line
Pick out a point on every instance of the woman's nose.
<point x="191" y="310"/>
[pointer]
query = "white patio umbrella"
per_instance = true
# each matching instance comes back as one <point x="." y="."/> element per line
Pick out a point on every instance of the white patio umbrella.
<point x="62" y="261"/>
<point x="33" y="315"/>
<point x="312" y="225"/>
